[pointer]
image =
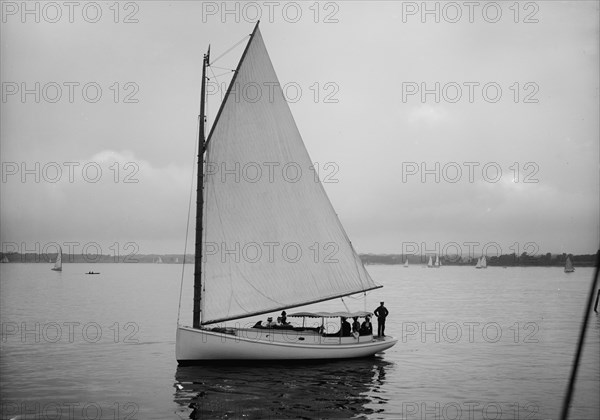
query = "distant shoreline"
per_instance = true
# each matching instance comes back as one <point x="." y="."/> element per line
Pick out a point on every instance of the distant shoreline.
<point x="511" y="260"/>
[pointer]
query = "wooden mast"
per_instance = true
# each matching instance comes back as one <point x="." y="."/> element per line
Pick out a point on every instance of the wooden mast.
<point x="202" y="143"/>
<point x="200" y="199"/>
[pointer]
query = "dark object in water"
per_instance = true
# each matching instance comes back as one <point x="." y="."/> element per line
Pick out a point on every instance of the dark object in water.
<point x="91" y="272"/>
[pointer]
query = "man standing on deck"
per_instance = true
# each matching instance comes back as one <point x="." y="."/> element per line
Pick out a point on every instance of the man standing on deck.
<point x="381" y="313"/>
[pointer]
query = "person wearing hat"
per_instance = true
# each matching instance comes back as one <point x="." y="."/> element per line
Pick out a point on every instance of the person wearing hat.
<point x="283" y="319"/>
<point x="381" y="313"/>
<point x="270" y="323"/>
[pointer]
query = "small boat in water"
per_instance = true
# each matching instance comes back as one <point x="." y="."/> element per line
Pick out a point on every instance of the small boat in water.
<point x="430" y="263"/>
<point x="58" y="262"/>
<point x="243" y="215"/>
<point x="437" y="263"/>
<point x="569" y="266"/>
<point x="481" y="263"/>
<point x="93" y="272"/>
<point x="406" y="263"/>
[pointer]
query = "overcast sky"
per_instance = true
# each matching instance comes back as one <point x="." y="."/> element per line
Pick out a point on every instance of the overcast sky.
<point x="513" y="134"/>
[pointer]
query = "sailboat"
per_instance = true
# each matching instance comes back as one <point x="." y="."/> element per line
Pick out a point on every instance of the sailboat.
<point x="437" y="262"/>
<point x="569" y="266"/>
<point x="58" y="262"/>
<point x="289" y="217"/>
<point x="429" y="263"/>
<point x="406" y="263"/>
<point x="481" y="262"/>
<point x="5" y="259"/>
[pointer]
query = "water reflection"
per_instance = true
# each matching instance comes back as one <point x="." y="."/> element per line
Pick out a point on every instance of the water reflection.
<point x="340" y="389"/>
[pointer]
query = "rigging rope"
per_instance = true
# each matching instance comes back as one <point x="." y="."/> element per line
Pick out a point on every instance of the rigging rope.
<point x="217" y="59"/>
<point x="187" y="226"/>
<point x="586" y="313"/>
<point x="222" y="68"/>
<point x="346" y="306"/>
<point x="219" y="75"/>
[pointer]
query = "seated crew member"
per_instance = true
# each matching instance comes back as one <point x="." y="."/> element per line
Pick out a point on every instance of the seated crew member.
<point x="366" y="328"/>
<point x="283" y="318"/>
<point x="345" y="329"/>
<point x="355" y="325"/>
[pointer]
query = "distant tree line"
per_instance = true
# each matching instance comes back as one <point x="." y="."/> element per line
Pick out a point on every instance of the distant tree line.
<point x="509" y="260"/>
<point x="15" y="257"/>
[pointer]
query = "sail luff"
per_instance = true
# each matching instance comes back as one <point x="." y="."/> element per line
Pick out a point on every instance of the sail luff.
<point x="199" y="201"/>
<point x="281" y="308"/>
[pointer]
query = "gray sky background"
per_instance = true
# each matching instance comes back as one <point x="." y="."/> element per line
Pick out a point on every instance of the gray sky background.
<point x="544" y="140"/>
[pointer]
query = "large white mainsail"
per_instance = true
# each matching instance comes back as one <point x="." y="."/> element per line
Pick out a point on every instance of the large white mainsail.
<point x="271" y="238"/>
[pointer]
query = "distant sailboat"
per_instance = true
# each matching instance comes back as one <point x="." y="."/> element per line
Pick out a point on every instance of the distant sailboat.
<point x="58" y="263"/>
<point x="437" y="262"/>
<point x="5" y="259"/>
<point x="158" y="260"/>
<point x="406" y="263"/>
<point x="569" y="266"/>
<point x="430" y="263"/>
<point x="481" y="263"/>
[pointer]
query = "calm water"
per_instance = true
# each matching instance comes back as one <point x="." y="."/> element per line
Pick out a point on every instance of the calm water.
<point x="495" y="343"/>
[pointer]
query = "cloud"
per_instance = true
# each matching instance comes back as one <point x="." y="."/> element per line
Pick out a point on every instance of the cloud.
<point x="110" y="197"/>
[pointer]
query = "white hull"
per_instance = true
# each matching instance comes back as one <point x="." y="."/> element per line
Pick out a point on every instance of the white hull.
<point x="272" y="344"/>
